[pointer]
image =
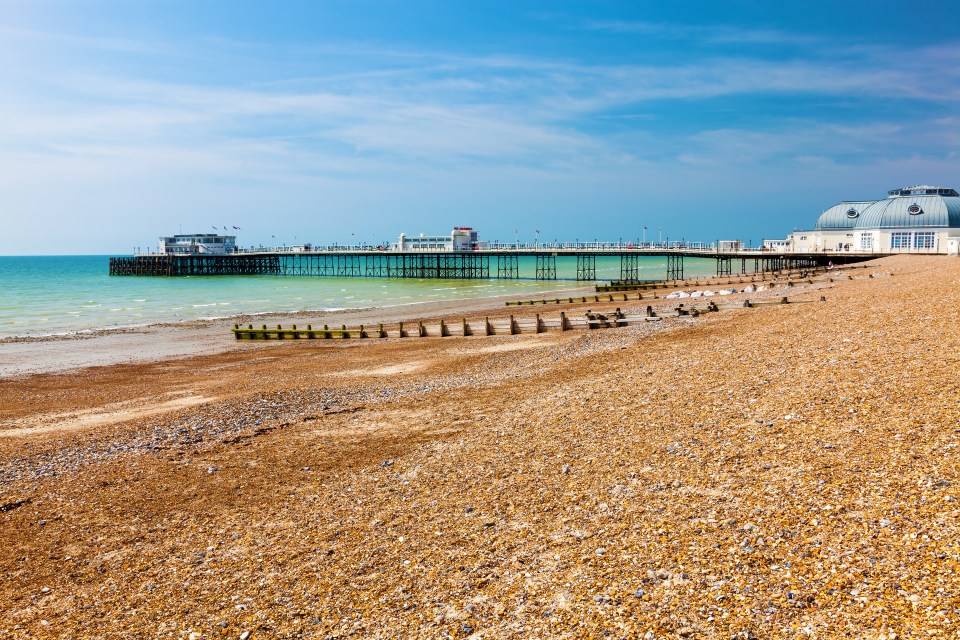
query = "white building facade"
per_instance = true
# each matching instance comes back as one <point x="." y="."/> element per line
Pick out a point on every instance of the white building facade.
<point x="918" y="219"/>
<point x="200" y="243"/>
<point x="460" y="239"/>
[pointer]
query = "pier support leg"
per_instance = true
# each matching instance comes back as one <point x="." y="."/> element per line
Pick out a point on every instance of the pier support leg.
<point x="674" y="267"/>
<point x="546" y="267"/>
<point x="724" y="268"/>
<point x="586" y="267"/>
<point x="507" y="267"/>
<point x="629" y="267"/>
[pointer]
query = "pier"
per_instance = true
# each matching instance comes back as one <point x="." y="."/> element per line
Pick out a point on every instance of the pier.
<point x="468" y="265"/>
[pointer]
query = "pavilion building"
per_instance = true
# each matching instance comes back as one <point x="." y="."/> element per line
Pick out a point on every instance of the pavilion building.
<point x="919" y="219"/>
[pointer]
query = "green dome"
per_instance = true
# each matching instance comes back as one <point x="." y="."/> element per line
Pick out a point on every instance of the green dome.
<point x="842" y="216"/>
<point x="913" y="207"/>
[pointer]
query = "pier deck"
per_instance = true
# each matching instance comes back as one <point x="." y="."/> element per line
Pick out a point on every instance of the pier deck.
<point x="466" y="265"/>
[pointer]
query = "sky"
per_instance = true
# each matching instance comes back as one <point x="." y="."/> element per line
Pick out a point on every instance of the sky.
<point x="353" y="121"/>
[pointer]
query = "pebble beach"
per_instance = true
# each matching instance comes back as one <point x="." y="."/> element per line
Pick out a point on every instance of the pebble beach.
<point x="781" y="471"/>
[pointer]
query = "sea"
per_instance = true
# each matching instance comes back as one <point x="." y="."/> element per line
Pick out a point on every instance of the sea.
<point x="53" y="295"/>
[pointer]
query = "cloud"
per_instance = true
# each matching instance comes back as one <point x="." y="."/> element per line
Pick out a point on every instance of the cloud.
<point x="348" y="119"/>
<point x="715" y="34"/>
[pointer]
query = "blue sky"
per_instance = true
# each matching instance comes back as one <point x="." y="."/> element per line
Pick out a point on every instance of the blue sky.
<point x="332" y="121"/>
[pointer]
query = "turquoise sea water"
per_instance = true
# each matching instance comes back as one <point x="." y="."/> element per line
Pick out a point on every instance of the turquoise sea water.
<point x="61" y="294"/>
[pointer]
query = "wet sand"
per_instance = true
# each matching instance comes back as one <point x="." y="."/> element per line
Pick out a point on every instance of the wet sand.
<point x="19" y="356"/>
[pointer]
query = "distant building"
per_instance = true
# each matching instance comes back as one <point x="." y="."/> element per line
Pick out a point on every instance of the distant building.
<point x="730" y="245"/>
<point x="919" y="219"/>
<point x="460" y="239"/>
<point x="205" y="243"/>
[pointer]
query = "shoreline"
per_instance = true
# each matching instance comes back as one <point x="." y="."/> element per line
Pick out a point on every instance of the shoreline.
<point x="165" y="340"/>
<point x="154" y="342"/>
<point x="30" y="355"/>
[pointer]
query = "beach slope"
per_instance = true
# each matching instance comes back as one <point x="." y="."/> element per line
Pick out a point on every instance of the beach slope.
<point x="773" y="471"/>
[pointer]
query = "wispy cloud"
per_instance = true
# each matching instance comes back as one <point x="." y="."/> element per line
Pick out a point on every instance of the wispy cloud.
<point x="714" y="34"/>
<point x="323" y="118"/>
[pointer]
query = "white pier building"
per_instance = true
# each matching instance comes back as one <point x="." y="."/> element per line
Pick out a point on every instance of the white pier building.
<point x="919" y="219"/>
<point x="200" y="243"/>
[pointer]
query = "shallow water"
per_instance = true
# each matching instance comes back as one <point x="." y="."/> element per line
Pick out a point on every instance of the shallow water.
<point x="43" y="295"/>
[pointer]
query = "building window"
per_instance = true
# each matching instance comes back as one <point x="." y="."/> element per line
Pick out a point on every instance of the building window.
<point x="866" y="241"/>
<point x="924" y="240"/>
<point x="900" y="240"/>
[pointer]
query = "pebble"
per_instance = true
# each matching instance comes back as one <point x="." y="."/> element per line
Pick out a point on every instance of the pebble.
<point x="511" y="471"/>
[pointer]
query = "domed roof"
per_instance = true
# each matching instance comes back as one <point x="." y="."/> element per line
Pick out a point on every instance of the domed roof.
<point x="842" y="216"/>
<point x="913" y="207"/>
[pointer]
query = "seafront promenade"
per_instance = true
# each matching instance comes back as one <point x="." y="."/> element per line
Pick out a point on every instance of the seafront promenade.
<point x="778" y="471"/>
